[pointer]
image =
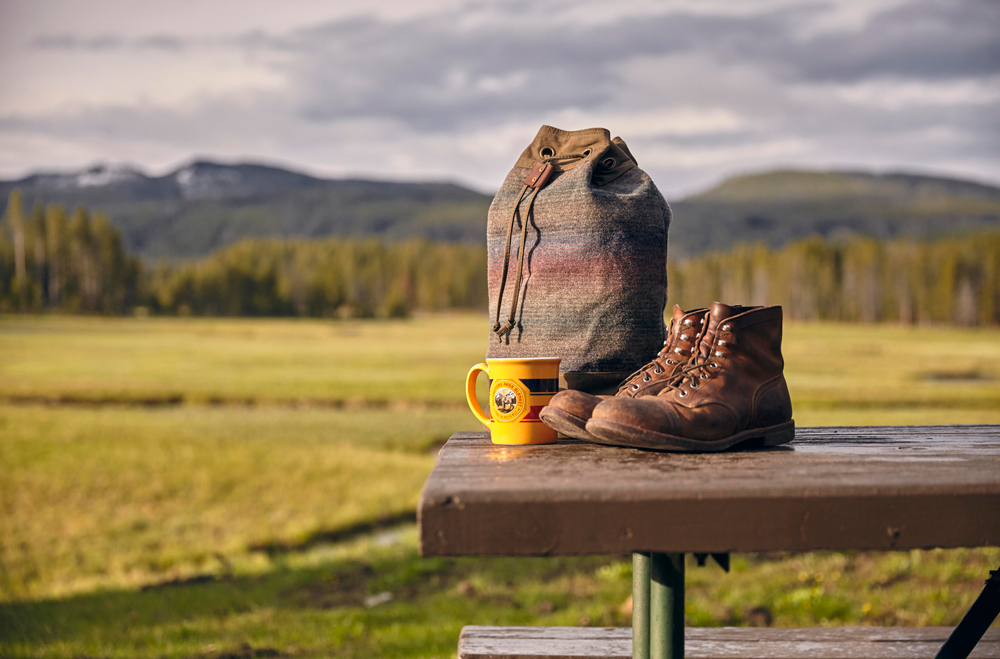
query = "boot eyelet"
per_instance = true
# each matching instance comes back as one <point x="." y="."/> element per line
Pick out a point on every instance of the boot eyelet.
<point x="687" y="322"/>
<point x="718" y="353"/>
<point x="721" y="342"/>
<point x="678" y="351"/>
<point x="671" y="361"/>
<point x="725" y="328"/>
<point x="657" y="370"/>
<point x="635" y="387"/>
<point x="714" y="365"/>
<point x="646" y="378"/>
<point x="683" y="394"/>
<point x="704" y="376"/>
<point x="694" y="385"/>
<point x="684" y="337"/>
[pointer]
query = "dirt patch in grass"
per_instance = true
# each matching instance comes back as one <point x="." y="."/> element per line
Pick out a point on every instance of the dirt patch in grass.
<point x="959" y="377"/>
<point x="345" y="586"/>
<point x="244" y="651"/>
<point x="275" y="548"/>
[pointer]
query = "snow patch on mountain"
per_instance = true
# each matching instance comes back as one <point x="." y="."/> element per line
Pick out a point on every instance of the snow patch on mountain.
<point x="198" y="181"/>
<point x="99" y="175"/>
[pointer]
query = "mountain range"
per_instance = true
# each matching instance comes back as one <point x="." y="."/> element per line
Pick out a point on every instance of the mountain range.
<point x="203" y="206"/>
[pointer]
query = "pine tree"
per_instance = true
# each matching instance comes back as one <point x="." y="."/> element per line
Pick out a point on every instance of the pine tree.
<point x="55" y="234"/>
<point x="15" y="216"/>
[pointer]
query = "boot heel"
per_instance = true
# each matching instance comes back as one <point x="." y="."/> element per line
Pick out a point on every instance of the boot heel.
<point x="780" y="434"/>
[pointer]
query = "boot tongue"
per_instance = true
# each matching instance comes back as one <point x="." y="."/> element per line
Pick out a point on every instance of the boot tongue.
<point x="717" y="313"/>
<point x="675" y="321"/>
<point x="673" y="331"/>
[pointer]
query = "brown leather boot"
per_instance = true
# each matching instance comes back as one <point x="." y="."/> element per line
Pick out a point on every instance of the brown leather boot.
<point x="569" y="410"/>
<point x="732" y="392"/>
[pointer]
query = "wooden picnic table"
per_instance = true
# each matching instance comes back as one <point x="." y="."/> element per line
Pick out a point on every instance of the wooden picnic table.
<point x="860" y="488"/>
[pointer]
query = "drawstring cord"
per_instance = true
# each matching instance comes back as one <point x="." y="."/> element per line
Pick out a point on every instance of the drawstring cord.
<point x="509" y="325"/>
<point x="501" y="331"/>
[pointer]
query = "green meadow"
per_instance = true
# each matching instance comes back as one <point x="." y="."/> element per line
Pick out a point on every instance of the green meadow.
<point x="174" y="487"/>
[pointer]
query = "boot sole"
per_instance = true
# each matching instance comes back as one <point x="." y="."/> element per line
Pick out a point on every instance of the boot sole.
<point x="619" y="434"/>
<point x="568" y="424"/>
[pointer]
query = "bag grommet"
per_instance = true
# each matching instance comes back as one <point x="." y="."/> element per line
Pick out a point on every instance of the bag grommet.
<point x="609" y="163"/>
<point x="546" y="152"/>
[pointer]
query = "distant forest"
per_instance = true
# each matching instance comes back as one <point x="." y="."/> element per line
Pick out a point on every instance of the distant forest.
<point x="952" y="280"/>
<point x="75" y="262"/>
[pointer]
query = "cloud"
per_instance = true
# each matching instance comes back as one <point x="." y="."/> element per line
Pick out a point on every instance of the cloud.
<point x="935" y="39"/>
<point x="72" y="42"/>
<point x="701" y="88"/>
<point x="428" y="74"/>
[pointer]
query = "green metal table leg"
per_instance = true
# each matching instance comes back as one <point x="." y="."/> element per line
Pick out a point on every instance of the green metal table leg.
<point x="666" y="606"/>
<point x="640" y="605"/>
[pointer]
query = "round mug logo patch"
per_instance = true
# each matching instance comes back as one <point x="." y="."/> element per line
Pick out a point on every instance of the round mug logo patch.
<point x="508" y="398"/>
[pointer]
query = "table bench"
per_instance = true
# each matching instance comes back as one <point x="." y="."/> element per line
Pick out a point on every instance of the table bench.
<point x="718" y="643"/>
<point x="864" y="488"/>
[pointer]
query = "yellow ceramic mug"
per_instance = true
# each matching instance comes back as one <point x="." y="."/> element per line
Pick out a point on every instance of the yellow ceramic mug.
<point x="519" y="389"/>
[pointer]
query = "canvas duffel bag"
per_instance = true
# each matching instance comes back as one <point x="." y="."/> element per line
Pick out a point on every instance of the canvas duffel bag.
<point x="577" y="241"/>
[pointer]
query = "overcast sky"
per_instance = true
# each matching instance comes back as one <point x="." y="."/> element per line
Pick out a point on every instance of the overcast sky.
<point x="447" y="89"/>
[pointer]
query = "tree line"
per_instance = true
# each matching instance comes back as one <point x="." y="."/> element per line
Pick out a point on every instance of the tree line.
<point x="330" y="277"/>
<point x="952" y="280"/>
<point x="76" y="262"/>
<point x="72" y="262"/>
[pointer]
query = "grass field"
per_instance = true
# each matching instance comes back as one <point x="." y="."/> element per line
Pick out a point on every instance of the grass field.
<point x="244" y="488"/>
<point x="175" y="360"/>
<point x="424" y="360"/>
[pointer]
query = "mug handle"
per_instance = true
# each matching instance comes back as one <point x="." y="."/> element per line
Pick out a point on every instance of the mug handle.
<point x="470" y="391"/>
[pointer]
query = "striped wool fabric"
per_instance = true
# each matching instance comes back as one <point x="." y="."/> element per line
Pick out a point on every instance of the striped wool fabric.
<point x="594" y="272"/>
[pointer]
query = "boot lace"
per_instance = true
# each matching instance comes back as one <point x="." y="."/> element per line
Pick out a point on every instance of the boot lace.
<point x="696" y="367"/>
<point x="662" y="362"/>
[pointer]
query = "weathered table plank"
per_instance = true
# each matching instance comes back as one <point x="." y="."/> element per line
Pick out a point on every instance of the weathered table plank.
<point x="876" y="488"/>
<point x="718" y="643"/>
